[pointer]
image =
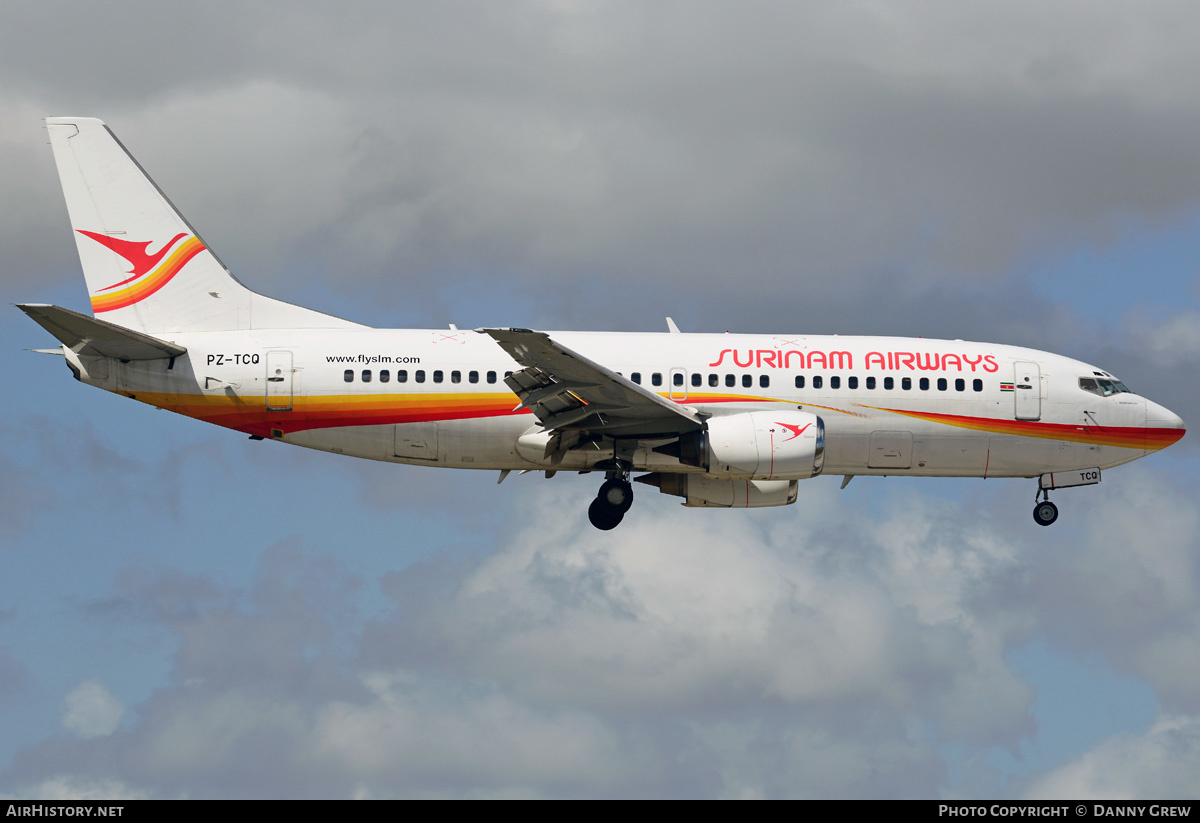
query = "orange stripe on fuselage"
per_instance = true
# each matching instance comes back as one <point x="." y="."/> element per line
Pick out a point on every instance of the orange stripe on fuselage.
<point x="1127" y="437"/>
<point x="250" y="414"/>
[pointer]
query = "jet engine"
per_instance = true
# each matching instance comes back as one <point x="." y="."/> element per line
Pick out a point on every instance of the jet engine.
<point x="758" y="445"/>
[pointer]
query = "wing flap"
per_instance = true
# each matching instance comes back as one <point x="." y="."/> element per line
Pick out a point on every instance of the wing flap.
<point x="568" y="392"/>
<point x="87" y="335"/>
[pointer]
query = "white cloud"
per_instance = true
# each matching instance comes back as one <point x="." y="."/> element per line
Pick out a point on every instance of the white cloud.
<point x="1159" y="765"/>
<point x="823" y="650"/>
<point x="91" y="710"/>
<point x="70" y="788"/>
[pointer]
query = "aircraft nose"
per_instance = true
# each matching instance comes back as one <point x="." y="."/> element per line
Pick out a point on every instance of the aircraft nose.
<point x="1163" y="426"/>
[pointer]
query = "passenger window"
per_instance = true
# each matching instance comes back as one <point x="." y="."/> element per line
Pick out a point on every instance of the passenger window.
<point x="384" y="375"/>
<point x="636" y="377"/>
<point x="677" y="379"/>
<point x="455" y="377"/>
<point x="697" y="380"/>
<point x="942" y="384"/>
<point x="419" y="375"/>
<point x="747" y="381"/>
<point x="437" y="376"/>
<point x="835" y="382"/>
<point x="818" y="381"/>
<point x="852" y="382"/>
<point x="977" y="384"/>
<point x="507" y="374"/>
<point x="473" y="377"/>
<point x="730" y="380"/>
<point x="491" y="377"/>
<point x="656" y="378"/>
<point x="889" y="383"/>
<point x="960" y="385"/>
<point x="924" y="384"/>
<point x="366" y="376"/>
<point x="714" y="380"/>
<point x="906" y="383"/>
<point x="402" y="376"/>
<point x="348" y="376"/>
<point x="765" y="381"/>
<point x="799" y="381"/>
<point x="871" y="383"/>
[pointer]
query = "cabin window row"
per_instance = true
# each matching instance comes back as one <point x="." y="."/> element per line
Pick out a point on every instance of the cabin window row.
<point x="714" y="380"/>
<point x="418" y="376"/>
<point x="817" y="382"/>
<point x="697" y="380"/>
<point x="889" y="383"/>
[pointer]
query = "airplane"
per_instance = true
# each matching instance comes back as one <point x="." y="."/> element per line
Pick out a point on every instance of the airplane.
<point x="720" y="420"/>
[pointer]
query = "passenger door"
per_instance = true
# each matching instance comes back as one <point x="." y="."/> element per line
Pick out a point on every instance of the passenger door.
<point x="1027" y="391"/>
<point x="279" y="380"/>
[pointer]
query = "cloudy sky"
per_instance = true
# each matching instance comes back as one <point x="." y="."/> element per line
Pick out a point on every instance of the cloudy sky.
<point x="186" y="613"/>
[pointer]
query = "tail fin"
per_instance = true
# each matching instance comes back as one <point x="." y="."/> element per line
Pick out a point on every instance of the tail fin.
<point x="146" y="268"/>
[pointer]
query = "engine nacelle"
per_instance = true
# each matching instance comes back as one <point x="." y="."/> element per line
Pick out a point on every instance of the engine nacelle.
<point x="761" y="445"/>
<point x="704" y="491"/>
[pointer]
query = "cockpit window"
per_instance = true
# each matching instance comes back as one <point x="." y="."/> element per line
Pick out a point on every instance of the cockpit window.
<point x="1103" y="386"/>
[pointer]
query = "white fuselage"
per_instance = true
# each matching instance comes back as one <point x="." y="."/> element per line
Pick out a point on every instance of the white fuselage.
<point x="437" y="397"/>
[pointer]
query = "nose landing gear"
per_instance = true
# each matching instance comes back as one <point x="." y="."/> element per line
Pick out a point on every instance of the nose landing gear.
<point x="614" y="499"/>
<point x="1045" y="512"/>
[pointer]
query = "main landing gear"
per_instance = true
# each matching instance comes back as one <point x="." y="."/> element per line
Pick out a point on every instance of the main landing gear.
<point x="614" y="499"/>
<point x="1045" y="512"/>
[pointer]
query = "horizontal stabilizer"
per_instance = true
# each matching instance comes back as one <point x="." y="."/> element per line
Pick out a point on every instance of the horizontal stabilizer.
<point x="87" y="335"/>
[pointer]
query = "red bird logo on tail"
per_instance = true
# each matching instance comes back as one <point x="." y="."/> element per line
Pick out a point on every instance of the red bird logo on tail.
<point x="134" y="252"/>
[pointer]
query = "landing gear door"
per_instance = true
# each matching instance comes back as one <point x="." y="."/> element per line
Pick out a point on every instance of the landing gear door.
<point x="279" y="380"/>
<point x="1027" y="391"/>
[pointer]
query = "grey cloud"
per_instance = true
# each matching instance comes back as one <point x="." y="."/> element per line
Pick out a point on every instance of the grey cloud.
<point x="819" y="168"/>
<point x="14" y="675"/>
<point x="1126" y="590"/>
<point x="57" y="462"/>
<point x="706" y="149"/>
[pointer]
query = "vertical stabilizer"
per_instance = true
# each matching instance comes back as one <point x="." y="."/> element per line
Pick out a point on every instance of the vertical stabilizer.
<point x="146" y="267"/>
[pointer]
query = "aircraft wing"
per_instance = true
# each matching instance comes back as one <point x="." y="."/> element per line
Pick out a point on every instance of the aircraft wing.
<point x="87" y="335"/>
<point x="569" y="393"/>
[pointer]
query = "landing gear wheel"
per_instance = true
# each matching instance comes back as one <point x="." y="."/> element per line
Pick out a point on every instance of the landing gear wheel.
<point x="1045" y="513"/>
<point x="604" y="516"/>
<point x="617" y="494"/>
